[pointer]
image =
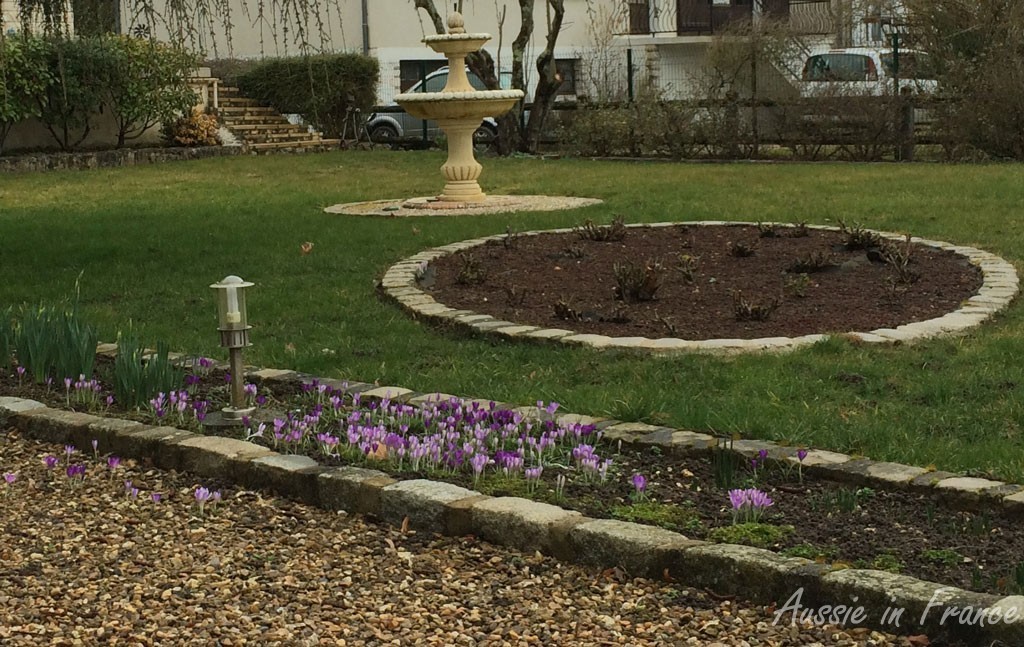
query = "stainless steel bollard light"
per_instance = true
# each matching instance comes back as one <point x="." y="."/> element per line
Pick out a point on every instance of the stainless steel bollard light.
<point x="234" y="335"/>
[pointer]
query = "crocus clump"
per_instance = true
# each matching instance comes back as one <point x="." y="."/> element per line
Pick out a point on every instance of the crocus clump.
<point x="447" y="435"/>
<point x="179" y="407"/>
<point x="76" y="473"/>
<point x="749" y="505"/>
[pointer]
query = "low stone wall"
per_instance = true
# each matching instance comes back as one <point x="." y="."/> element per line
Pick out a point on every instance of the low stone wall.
<point x="99" y="159"/>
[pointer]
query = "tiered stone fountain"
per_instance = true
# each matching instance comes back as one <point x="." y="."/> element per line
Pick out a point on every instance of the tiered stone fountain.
<point x="459" y="109"/>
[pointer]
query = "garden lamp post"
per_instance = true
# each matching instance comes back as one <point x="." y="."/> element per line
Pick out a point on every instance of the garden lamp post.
<point x="234" y="335"/>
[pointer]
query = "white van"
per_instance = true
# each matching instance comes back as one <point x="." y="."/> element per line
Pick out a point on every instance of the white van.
<point x="866" y="71"/>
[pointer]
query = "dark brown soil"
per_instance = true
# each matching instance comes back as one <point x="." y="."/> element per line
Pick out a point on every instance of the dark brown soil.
<point x="523" y="278"/>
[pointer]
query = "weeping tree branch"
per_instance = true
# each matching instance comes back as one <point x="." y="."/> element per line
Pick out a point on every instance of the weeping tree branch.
<point x="199" y="24"/>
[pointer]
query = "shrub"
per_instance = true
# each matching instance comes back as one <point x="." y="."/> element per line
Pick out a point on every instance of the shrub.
<point x="67" y="82"/>
<point x="195" y="129"/>
<point x="322" y="89"/>
<point x="23" y="77"/>
<point x="81" y="70"/>
<point x="150" y="86"/>
<point x="638" y="282"/>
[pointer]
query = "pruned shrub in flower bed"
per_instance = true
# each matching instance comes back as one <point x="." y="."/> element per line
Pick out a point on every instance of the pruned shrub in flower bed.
<point x="716" y="497"/>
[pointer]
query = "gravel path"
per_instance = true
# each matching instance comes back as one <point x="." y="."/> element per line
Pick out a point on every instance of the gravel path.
<point x="88" y="564"/>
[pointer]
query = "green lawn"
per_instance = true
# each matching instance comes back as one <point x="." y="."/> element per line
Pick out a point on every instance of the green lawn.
<point x="148" y="241"/>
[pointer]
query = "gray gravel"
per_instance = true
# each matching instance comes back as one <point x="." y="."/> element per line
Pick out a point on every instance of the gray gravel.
<point x="88" y="564"/>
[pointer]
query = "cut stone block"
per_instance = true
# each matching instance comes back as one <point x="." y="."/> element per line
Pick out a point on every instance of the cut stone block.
<point x="594" y="341"/>
<point x="392" y="393"/>
<point x="759" y="575"/>
<point x="1015" y="503"/>
<point x="219" y="457"/>
<point x="967" y="485"/>
<point x="55" y="426"/>
<point x="17" y="405"/>
<point x="353" y="489"/>
<point x="293" y="476"/>
<point x="577" y="419"/>
<point x="877" y="591"/>
<point x="820" y="457"/>
<point x="643" y="551"/>
<point x="273" y="375"/>
<point x="526" y="525"/>
<point x="931" y="479"/>
<point x="424" y="502"/>
<point x="430" y="398"/>
<point x="549" y="333"/>
<point x="156" y="444"/>
<point x="629" y="432"/>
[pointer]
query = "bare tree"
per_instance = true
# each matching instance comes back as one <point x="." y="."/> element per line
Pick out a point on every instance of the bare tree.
<point x="512" y="134"/>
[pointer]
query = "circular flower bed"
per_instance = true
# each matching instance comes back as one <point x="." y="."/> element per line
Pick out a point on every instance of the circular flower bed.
<point x="701" y="286"/>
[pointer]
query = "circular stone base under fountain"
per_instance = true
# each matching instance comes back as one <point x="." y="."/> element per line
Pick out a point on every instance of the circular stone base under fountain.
<point x="431" y="206"/>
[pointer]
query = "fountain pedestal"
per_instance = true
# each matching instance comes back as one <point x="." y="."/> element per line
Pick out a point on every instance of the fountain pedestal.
<point x="459" y="109"/>
<point x="461" y="170"/>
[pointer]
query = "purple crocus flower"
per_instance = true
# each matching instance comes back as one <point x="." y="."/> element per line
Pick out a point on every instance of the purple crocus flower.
<point x="95" y="445"/>
<point x="737" y="498"/>
<point x="156" y="496"/>
<point x="113" y="462"/>
<point x="801" y="454"/>
<point x="639" y="482"/>
<point x="21" y="371"/>
<point x="10" y="477"/>
<point x="202" y="495"/>
<point x="76" y="470"/>
<point x="748" y="505"/>
<point x="50" y="462"/>
<point x="478" y="462"/>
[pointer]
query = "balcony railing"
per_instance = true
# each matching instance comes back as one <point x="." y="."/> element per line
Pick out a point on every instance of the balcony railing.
<point x="706" y="17"/>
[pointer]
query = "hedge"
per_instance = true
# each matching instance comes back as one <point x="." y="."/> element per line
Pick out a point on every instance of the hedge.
<point x="65" y="83"/>
<point x="322" y="89"/>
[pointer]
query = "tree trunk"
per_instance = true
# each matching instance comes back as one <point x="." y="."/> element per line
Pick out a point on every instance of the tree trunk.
<point x="548" y="81"/>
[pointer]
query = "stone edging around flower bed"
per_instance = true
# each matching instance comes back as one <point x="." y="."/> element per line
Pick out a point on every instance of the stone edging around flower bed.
<point x="758" y="575"/>
<point x="1000" y="285"/>
<point x="35" y="162"/>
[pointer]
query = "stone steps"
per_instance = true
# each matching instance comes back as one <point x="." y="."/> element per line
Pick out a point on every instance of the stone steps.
<point x="318" y="144"/>
<point x="262" y="128"/>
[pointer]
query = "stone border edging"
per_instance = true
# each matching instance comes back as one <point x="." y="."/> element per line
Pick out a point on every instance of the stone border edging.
<point x="35" y="162"/>
<point x="756" y="574"/>
<point x="999" y="286"/>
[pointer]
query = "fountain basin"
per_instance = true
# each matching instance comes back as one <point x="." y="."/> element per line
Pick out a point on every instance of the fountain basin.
<point x="457" y="44"/>
<point x="471" y="106"/>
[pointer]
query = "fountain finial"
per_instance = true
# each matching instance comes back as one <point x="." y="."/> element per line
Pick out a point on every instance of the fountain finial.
<point x="456" y="25"/>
